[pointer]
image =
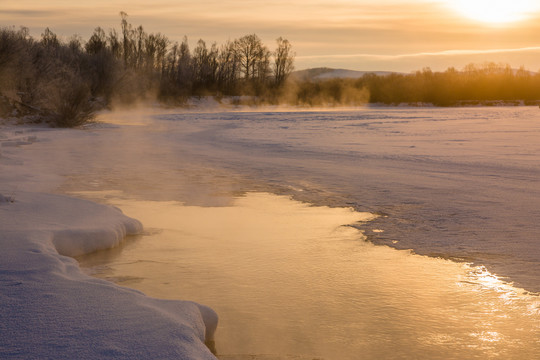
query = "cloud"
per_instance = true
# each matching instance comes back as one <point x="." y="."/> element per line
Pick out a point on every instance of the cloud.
<point x="422" y="54"/>
<point x="29" y="13"/>
<point x="438" y="61"/>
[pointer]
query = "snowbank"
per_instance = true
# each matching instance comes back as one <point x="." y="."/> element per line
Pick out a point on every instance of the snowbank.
<point x="50" y="309"/>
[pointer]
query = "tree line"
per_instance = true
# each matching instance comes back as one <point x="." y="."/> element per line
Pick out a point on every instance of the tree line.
<point x="66" y="81"/>
<point x="476" y="84"/>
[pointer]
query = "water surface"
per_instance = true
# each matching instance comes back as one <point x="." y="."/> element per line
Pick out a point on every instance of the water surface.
<point x="294" y="281"/>
<point x="457" y="183"/>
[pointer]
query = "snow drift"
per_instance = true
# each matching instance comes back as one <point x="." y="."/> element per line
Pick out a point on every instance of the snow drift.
<point x="50" y="309"/>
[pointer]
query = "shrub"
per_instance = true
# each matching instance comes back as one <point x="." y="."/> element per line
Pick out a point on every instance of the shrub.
<point x="72" y="106"/>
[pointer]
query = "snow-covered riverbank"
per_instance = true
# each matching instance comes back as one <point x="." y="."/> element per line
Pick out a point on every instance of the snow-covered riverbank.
<point x="49" y="308"/>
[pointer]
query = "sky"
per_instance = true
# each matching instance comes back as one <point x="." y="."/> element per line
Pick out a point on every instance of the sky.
<point x="387" y="35"/>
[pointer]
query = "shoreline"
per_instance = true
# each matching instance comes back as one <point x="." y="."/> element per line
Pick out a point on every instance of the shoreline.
<point x="284" y="253"/>
<point x="245" y="103"/>
<point x="50" y="308"/>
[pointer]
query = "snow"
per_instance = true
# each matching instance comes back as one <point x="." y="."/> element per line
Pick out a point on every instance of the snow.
<point x="49" y="308"/>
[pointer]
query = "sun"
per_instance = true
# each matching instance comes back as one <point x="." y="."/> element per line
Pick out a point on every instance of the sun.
<point x="495" y="11"/>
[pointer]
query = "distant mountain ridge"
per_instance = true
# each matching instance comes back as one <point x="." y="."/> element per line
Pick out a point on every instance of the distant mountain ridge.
<point x="324" y="73"/>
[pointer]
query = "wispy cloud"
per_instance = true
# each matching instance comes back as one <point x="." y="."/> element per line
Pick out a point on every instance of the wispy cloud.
<point x="423" y="54"/>
<point x="28" y="13"/>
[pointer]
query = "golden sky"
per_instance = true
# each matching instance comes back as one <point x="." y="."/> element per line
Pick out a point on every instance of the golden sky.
<point x="394" y="35"/>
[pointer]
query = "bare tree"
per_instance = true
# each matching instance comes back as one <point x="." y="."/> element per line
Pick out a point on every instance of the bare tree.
<point x="49" y="39"/>
<point x="140" y="42"/>
<point x="126" y="35"/>
<point x="248" y="49"/>
<point x="200" y="64"/>
<point x="114" y="44"/>
<point x="97" y="42"/>
<point x="185" y="68"/>
<point x="162" y="44"/>
<point x="171" y="61"/>
<point x="228" y="67"/>
<point x="283" y="60"/>
<point x="262" y="65"/>
<point x="75" y="43"/>
<point x="254" y="60"/>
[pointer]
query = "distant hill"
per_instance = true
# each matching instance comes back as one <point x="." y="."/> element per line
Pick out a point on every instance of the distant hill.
<point x="324" y="73"/>
<point x="329" y="73"/>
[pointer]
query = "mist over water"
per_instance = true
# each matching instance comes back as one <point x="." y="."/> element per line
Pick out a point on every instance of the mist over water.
<point x="454" y="184"/>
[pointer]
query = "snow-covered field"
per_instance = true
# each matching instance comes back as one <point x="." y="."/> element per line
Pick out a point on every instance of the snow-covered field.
<point x="458" y="183"/>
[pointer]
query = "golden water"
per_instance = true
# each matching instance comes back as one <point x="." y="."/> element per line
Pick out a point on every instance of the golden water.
<point x="290" y="280"/>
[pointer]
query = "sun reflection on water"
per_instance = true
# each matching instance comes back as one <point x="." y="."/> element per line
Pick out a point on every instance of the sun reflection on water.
<point x="488" y="336"/>
<point x="289" y="278"/>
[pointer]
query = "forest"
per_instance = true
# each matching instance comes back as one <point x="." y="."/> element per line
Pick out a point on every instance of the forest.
<point x="66" y="82"/>
<point x="476" y="84"/>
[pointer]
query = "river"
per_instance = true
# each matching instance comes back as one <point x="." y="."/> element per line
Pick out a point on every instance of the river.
<point x="368" y="233"/>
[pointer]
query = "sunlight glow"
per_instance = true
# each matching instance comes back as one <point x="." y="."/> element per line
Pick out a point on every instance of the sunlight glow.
<point x="495" y="11"/>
